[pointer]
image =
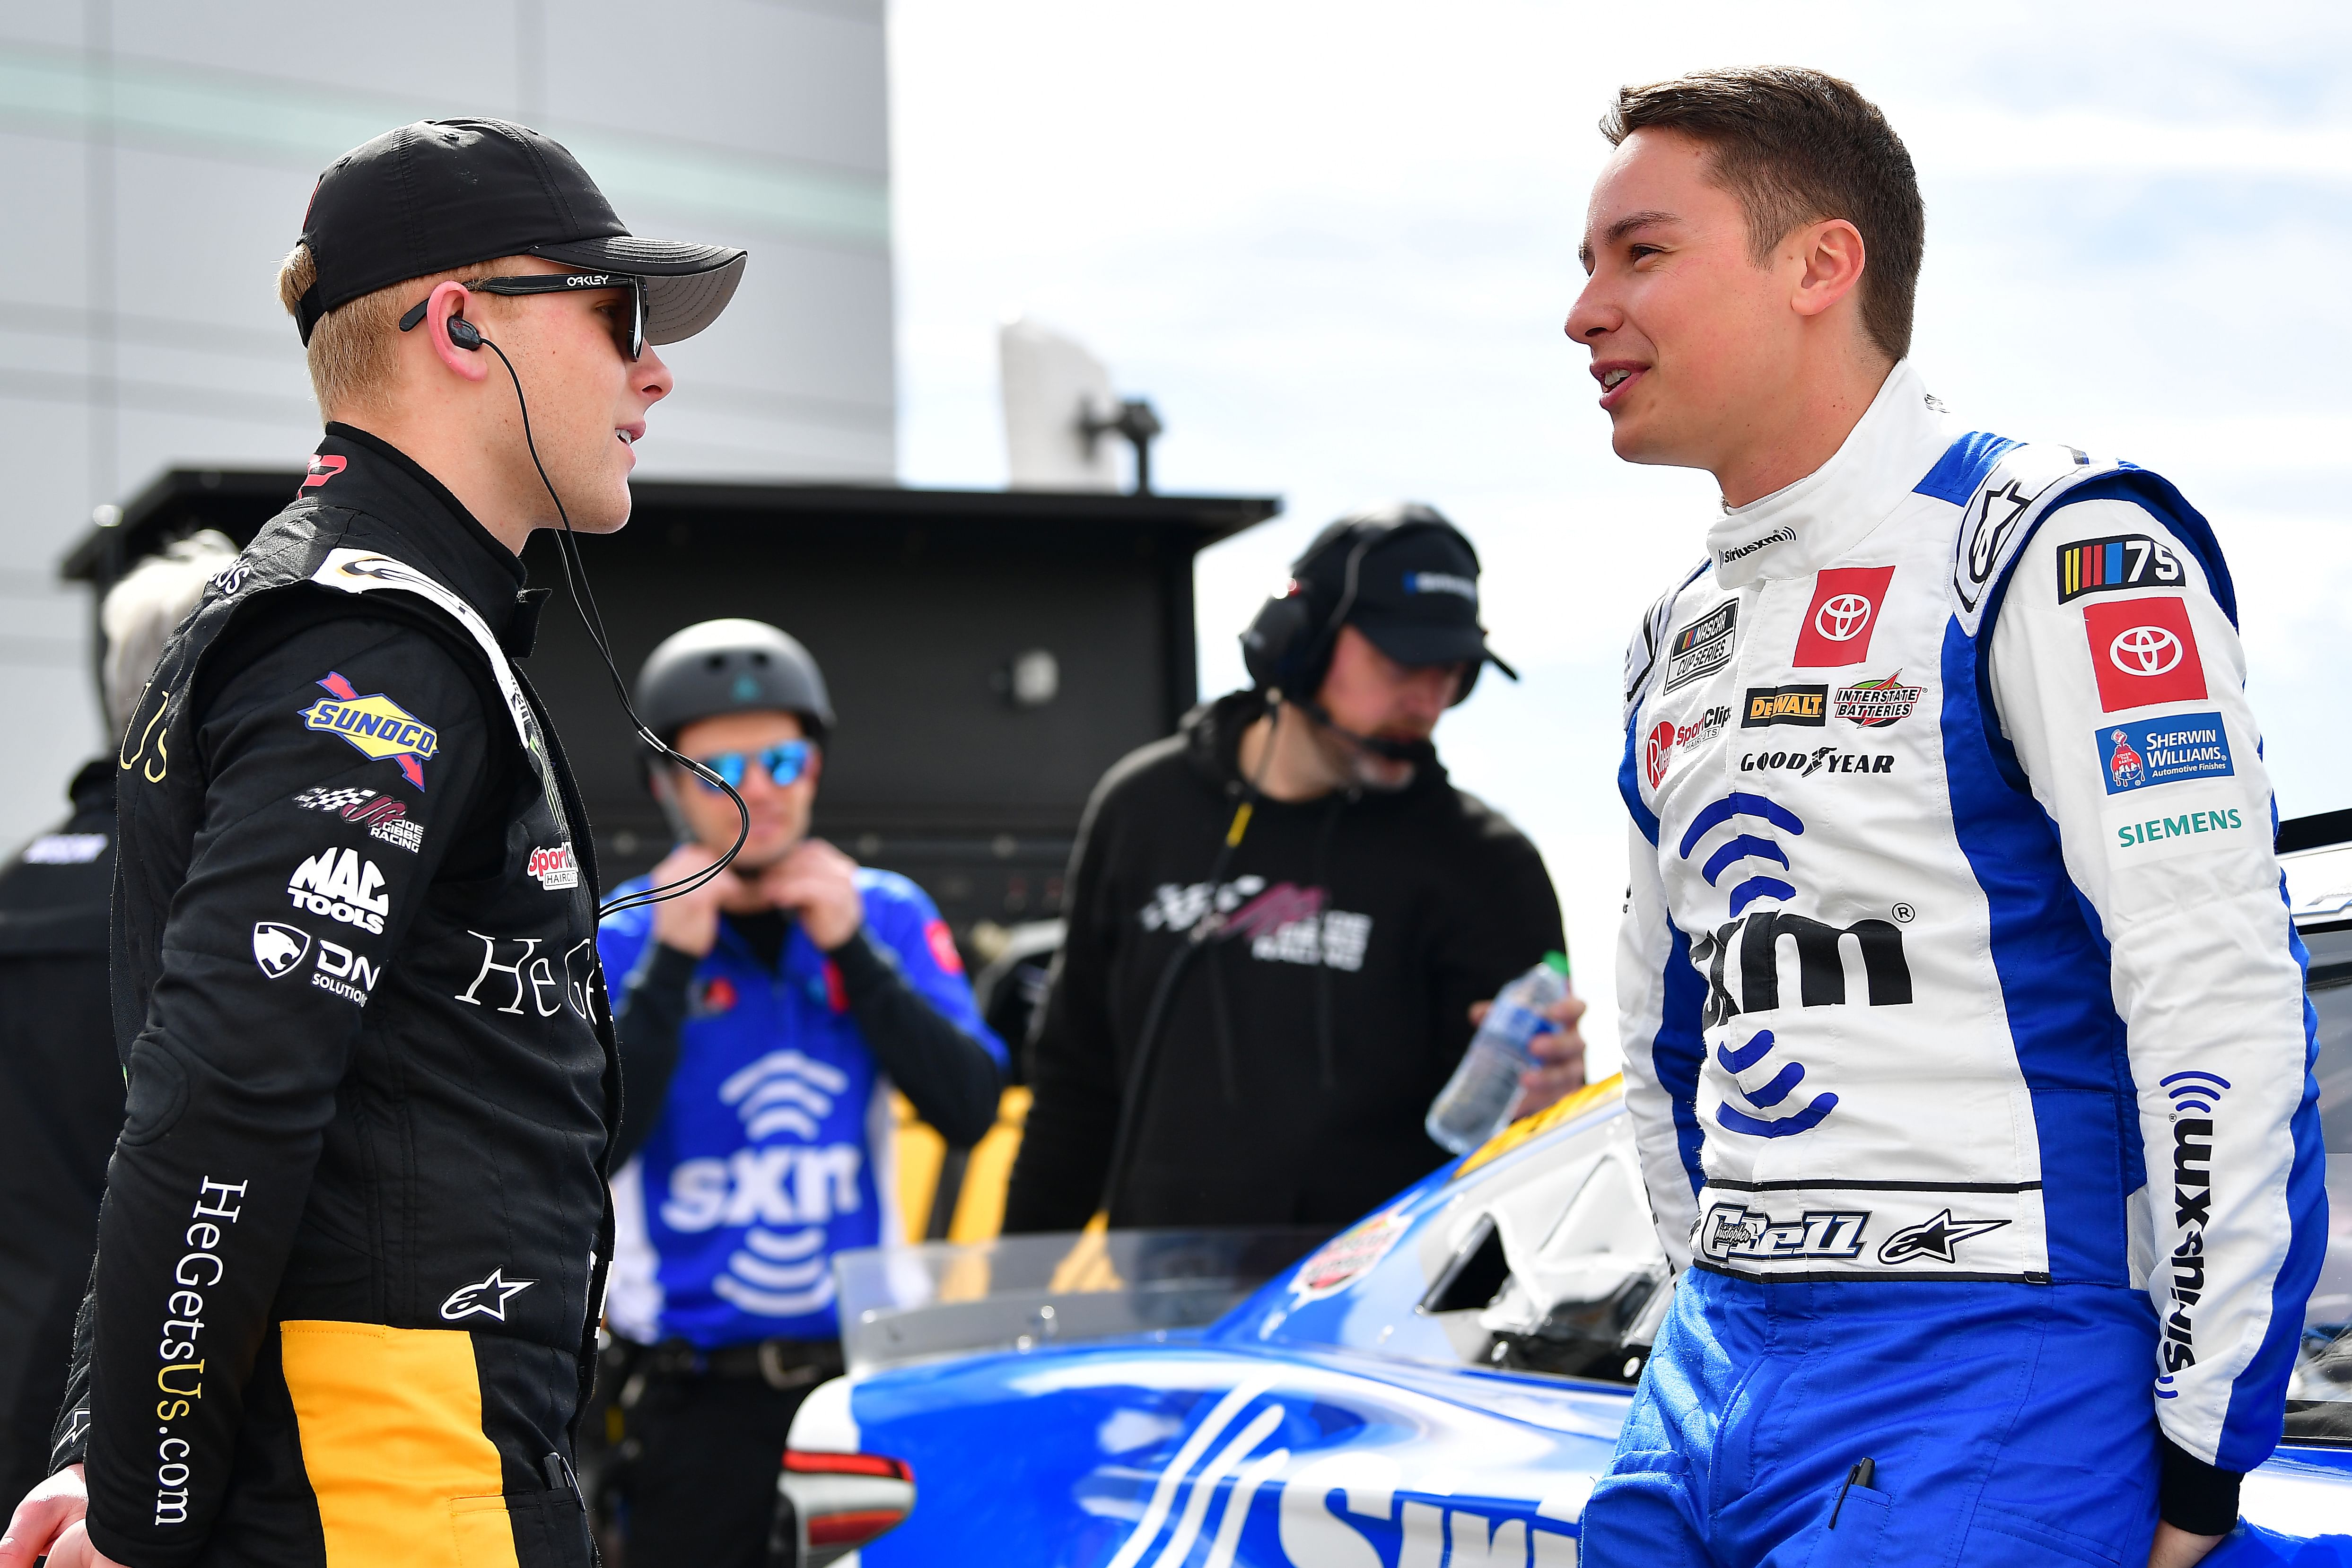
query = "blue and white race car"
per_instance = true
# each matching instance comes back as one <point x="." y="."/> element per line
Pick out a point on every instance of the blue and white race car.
<point x="1437" y="1388"/>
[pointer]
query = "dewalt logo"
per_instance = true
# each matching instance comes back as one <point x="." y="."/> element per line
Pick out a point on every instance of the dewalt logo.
<point x="1806" y="706"/>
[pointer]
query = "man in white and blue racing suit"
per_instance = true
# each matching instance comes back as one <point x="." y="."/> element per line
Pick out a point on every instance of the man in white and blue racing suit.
<point x="763" y="1020"/>
<point x="1963" y="1018"/>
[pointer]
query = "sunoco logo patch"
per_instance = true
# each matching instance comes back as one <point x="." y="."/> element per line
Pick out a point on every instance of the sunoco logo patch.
<point x="376" y="726"/>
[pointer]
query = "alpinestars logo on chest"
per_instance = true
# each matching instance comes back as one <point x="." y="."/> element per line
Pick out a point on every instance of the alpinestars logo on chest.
<point x="1934" y="1238"/>
<point x="488" y="1297"/>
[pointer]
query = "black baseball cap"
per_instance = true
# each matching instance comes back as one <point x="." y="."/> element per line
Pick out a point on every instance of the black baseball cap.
<point x="1415" y="590"/>
<point x="446" y="193"/>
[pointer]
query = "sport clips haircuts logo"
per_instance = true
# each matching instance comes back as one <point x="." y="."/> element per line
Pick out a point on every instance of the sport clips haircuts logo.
<point x="1669" y="737"/>
<point x="553" y="869"/>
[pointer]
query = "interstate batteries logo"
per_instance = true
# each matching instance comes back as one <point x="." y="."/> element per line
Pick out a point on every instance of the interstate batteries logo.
<point x="1874" y="704"/>
<point x="376" y="726"/>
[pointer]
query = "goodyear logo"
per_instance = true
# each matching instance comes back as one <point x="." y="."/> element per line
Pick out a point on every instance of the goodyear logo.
<point x="376" y="726"/>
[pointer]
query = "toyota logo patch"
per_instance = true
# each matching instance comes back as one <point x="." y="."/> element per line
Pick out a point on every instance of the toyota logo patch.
<point x="1842" y="618"/>
<point x="2142" y="652"/>
<point x="2145" y="651"/>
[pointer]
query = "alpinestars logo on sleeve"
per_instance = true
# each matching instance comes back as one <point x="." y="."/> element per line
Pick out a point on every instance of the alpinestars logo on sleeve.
<point x="488" y="1297"/>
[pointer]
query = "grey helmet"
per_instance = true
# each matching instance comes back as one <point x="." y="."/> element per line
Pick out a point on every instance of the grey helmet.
<point x="731" y="666"/>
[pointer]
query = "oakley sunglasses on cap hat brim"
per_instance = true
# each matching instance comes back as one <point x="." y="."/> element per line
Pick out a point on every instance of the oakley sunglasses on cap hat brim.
<point x="784" y="763"/>
<point x="628" y="328"/>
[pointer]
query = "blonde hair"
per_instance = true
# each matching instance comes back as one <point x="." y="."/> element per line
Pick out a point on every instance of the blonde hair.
<point x="140" y="613"/>
<point x="356" y="346"/>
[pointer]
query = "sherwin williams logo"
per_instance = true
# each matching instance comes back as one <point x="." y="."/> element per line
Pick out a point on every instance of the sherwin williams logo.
<point x="376" y="726"/>
<point x="2164" y="751"/>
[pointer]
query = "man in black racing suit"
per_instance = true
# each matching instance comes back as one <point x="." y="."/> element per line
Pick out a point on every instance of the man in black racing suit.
<point x="353" y="1245"/>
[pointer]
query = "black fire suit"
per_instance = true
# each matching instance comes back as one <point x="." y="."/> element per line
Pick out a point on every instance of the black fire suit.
<point x="61" y="1107"/>
<point x="355" y="1229"/>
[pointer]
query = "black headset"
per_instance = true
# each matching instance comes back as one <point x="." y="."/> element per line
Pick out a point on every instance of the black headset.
<point x="1288" y="645"/>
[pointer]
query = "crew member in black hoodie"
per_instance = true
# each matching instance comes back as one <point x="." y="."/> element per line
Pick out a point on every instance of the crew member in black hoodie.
<point x="1295" y="906"/>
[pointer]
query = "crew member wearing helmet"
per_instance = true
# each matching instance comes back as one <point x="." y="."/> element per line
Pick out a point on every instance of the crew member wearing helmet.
<point x="1281" y="916"/>
<point x="763" y="1020"/>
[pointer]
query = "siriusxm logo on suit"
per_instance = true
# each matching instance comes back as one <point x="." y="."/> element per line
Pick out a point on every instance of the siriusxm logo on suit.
<point x="774" y="1201"/>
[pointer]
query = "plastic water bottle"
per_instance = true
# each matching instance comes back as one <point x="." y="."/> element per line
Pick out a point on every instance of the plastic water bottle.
<point x="1476" y="1102"/>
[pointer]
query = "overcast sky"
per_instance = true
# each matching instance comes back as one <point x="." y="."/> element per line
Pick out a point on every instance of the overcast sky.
<point x="1334" y="244"/>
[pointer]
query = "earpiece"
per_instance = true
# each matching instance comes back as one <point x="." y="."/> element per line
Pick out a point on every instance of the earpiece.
<point x="465" y="334"/>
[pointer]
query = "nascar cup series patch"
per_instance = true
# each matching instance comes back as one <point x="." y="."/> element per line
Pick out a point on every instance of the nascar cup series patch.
<point x="376" y="726"/>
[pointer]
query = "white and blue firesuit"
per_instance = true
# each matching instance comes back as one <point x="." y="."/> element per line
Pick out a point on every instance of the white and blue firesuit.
<point x="773" y="1146"/>
<point x="1963" y="1022"/>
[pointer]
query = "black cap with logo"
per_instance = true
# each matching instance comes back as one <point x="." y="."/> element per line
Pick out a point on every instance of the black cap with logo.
<point x="447" y="193"/>
<point x="1415" y="592"/>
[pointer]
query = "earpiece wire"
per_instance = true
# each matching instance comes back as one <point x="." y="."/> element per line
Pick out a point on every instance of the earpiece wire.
<point x="575" y="579"/>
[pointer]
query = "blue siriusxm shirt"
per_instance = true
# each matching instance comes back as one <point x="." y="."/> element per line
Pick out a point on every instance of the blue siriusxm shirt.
<point x="773" y="1149"/>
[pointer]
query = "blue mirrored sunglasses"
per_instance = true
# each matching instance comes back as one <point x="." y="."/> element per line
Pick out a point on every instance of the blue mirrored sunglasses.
<point x="785" y="762"/>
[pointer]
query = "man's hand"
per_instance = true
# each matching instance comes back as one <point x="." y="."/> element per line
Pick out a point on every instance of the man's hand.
<point x="688" y="922"/>
<point x="2174" y="1548"/>
<point x="1559" y="1057"/>
<point x="818" y="884"/>
<point x="50" y="1521"/>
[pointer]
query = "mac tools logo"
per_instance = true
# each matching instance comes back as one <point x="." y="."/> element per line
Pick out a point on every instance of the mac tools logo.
<point x="340" y="886"/>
